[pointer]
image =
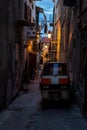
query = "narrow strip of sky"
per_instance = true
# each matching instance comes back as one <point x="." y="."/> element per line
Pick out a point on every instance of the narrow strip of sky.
<point x="47" y="5"/>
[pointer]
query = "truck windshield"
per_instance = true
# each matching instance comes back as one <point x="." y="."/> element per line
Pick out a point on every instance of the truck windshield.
<point x="55" y="69"/>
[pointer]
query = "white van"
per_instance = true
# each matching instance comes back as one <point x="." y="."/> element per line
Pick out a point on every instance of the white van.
<point x="55" y="82"/>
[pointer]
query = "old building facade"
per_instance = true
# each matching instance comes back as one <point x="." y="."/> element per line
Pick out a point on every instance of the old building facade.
<point x="73" y="26"/>
<point x="79" y="52"/>
<point x="57" y="25"/>
<point x="16" y="20"/>
<point x="9" y="15"/>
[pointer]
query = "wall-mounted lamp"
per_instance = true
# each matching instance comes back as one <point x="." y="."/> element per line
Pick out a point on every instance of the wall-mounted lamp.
<point x="49" y="34"/>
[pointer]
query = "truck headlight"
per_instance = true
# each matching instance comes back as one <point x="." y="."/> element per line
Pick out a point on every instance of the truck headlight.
<point x="46" y="87"/>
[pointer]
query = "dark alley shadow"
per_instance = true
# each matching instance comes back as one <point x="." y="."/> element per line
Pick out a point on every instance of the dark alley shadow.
<point x="55" y="105"/>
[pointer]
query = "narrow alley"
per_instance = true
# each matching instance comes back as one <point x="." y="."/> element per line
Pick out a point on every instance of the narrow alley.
<point x="56" y="31"/>
<point x="26" y="113"/>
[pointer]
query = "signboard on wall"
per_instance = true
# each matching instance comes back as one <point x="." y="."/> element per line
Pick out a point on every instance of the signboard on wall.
<point x="31" y="32"/>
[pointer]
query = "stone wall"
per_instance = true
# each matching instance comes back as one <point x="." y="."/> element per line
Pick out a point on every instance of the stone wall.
<point x="10" y="13"/>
